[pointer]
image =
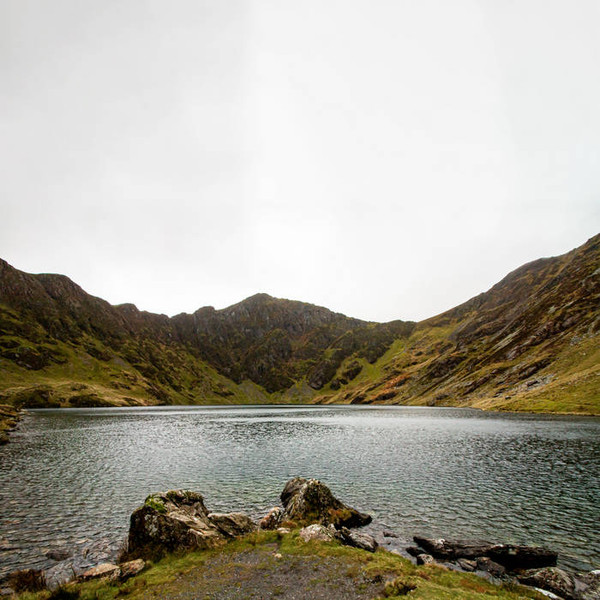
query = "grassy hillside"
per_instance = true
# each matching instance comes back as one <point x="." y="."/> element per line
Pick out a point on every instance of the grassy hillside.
<point x="530" y="343"/>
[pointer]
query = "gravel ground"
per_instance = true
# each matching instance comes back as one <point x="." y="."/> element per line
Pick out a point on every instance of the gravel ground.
<point x="261" y="574"/>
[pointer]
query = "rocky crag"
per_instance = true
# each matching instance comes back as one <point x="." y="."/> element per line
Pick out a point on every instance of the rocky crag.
<point x="529" y="343"/>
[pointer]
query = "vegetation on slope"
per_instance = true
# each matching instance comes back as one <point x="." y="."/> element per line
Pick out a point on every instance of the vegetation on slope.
<point x="62" y="347"/>
<point x="529" y="343"/>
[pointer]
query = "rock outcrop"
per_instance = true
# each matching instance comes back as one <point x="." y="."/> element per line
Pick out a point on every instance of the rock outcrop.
<point x="510" y="556"/>
<point x="310" y="501"/>
<point x="179" y="520"/>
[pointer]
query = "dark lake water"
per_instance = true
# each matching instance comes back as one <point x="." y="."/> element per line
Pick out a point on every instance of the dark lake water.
<point x="76" y="474"/>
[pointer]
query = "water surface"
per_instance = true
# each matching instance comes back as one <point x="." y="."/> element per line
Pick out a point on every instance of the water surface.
<point x="75" y="474"/>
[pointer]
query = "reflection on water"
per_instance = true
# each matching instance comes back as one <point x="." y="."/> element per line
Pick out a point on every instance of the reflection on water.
<point x="76" y="474"/>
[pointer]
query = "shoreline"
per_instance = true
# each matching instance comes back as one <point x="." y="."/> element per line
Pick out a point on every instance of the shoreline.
<point x="9" y="419"/>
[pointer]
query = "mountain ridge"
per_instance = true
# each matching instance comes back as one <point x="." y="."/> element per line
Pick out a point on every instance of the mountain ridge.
<point x="62" y="346"/>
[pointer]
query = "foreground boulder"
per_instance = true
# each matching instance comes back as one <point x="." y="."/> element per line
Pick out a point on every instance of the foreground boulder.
<point x="511" y="557"/>
<point x="310" y="501"/>
<point x="179" y="520"/>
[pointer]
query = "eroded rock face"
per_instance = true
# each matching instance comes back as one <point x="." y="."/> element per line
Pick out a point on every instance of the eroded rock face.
<point x="179" y="520"/>
<point x="310" y="501"/>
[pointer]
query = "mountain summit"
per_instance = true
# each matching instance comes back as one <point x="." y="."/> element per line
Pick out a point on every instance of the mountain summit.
<point x="529" y="343"/>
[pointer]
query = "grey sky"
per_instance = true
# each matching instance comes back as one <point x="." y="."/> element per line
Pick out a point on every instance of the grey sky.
<point x="384" y="159"/>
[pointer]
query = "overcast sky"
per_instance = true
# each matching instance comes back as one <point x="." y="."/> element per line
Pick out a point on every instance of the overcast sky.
<point x="386" y="159"/>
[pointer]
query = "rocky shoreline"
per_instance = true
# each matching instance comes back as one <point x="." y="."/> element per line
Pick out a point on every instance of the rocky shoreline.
<point x="178" y="521"/>
<point x="9" y="419"/>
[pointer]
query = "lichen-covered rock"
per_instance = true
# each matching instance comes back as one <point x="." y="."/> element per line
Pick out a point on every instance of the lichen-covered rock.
<point x="272" y="519"/>
<point x="178" y="520"/>
<point x="232" y="525"/>
<point x="310" y="501"/>
<point x="316" y="532"/>
<point x="589" y="585"/>
<point x="553" y="579"/>
<point x="425" y="559"/>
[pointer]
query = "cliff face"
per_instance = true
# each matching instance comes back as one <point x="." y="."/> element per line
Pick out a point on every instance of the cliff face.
<point x="530" y="342"/>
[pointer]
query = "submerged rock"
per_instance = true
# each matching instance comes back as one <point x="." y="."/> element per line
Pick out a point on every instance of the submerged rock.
<point x="310" y="501"/>
<point x="179" y="520"/>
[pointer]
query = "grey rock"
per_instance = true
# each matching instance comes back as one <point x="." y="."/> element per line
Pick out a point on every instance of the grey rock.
<point x="310" y="501"/>
<point x="232" y="525"/>
<point x="466" y="564"/>
<point x="316" y="532"/>
<point x="553" y="579"/>
<point x="364" y="541"/>
<point x="425" y="559"/>
<point x="175" y="520"/>
<point x="59" y="574"/>
<point x="484" y="563"/>
<point x="588" y="585"/>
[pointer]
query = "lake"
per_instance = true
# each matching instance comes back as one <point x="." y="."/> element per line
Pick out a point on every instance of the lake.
<point x="76" y="474"/>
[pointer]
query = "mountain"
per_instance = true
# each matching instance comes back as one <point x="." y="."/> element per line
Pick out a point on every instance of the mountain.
<point x="60" y="345"/>
<point x="529" y="343"/>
